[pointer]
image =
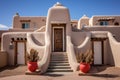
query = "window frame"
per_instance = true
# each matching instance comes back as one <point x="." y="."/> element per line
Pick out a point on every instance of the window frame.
<point x="26" y="25"/>
<point x="104" y="23"/>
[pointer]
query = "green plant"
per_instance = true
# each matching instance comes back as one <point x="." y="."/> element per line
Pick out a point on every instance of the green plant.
<point x="33" y="56"/>
<point x="86" y="57"/>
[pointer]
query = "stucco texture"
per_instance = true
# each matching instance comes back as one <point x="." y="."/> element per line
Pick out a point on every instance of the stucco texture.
<point x="79" y="42"/>
<point x="5" y="45"/>
<point x="3" y="59"/>
<point x="115" y="48"/>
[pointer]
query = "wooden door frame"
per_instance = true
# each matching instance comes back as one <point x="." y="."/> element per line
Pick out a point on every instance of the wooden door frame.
<point x="54" y="28"/>
<point x="16" y="49"/>
<point x="60" y="26"/>
<point x="102" y="47"/>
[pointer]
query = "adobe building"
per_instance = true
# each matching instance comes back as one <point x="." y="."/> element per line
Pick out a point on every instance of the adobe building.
<point x="58" y="39"/>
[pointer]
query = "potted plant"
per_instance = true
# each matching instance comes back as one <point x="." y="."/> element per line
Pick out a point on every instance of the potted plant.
<point x="32" y="59"/>
<point x="85" y="59"/>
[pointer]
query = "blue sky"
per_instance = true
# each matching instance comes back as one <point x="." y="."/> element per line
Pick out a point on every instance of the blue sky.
<point x="77" y="8"/>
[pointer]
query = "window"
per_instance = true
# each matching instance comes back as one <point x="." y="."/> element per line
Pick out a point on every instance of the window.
<point x="103" y="23"/>
<point x="25" y="25"/>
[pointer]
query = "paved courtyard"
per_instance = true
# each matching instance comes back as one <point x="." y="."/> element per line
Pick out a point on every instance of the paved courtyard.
<point x="96" y="73"/>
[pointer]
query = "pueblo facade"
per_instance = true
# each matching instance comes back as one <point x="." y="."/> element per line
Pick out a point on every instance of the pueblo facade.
<point x="56" y="35"/>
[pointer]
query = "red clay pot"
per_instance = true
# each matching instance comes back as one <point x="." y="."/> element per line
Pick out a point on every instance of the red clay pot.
<point x="32" y="66"/>
<point x="84" y="67"/>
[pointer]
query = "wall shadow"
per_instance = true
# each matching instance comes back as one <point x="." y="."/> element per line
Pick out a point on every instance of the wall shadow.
<point x="98" y="68"/>
<point x="8" y="68"/>
<point x="95" y="72"/>
<point x="101" y="75"/>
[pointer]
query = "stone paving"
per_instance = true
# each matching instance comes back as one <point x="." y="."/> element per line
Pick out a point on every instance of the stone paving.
<point x="96" y="73"/>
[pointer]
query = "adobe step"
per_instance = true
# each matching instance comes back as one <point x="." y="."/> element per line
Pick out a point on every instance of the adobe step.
<point x="59" y="57"/>
<point x="59" y="67"/>
<point x="58" y="54"/>
<point x="59" y="70"/>
<point x="59" y="64"/>
<point x="58" y="61"/>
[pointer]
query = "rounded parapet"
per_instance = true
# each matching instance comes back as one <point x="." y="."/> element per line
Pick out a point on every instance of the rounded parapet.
<point x="84" y="21"/>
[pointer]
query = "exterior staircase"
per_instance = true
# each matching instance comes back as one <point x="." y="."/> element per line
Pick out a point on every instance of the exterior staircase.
<point x="59" y="63"/>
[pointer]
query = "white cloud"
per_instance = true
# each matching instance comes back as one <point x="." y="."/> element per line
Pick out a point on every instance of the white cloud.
<point x="3" y="27"/>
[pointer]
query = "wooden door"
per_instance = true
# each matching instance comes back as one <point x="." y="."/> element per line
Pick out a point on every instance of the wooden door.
<point x="58" y="39"/>
<point x="20" y="53"/>
<point x="97" y="53"/>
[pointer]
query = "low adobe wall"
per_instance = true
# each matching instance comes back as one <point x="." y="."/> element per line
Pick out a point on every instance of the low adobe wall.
<point x="5" y="44"/>
<point x="81" y="41"/>
<point x="78" y="38"/>
<point x="36" y="40"/>
<point x="3" y="59"/>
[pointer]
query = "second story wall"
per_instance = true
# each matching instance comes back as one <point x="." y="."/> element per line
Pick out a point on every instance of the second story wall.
<point x="32" y="23"/>
<point x="105" y="21"/>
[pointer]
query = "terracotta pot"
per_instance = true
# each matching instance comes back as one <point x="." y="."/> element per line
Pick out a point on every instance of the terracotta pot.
<point x="32" y="66"/>
<point x="84" y="67"/>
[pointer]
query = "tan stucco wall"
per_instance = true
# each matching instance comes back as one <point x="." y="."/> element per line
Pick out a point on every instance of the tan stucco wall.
<point x="95" y="20"/>
<point x="77" y="43"/>
<point x="115" y="49"/>
<point x="106" y="46"/>
<point x="2" y="31"/>
<point x="78" y="38"/>
<point x="3" y="59"/>
<point x="20" y="30"/>
<point x="113" y="29"/>
<point x="57" y="14"/>
<point x="74" y="23"/>
<point x="36" y="41"/>
<point x="35" y="22"/>
<point x="83" y="22"/>
<point x="108" y="53"/>
<point x="6" y="39"/>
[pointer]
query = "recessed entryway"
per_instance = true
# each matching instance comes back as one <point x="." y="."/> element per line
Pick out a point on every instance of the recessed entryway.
<point x="58" y="38"/>
<point x="98" y="50"/>
<point x="20" y="53"/>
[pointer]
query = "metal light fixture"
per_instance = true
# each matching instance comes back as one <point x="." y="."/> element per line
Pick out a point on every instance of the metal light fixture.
<point x="11" y="45"/>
